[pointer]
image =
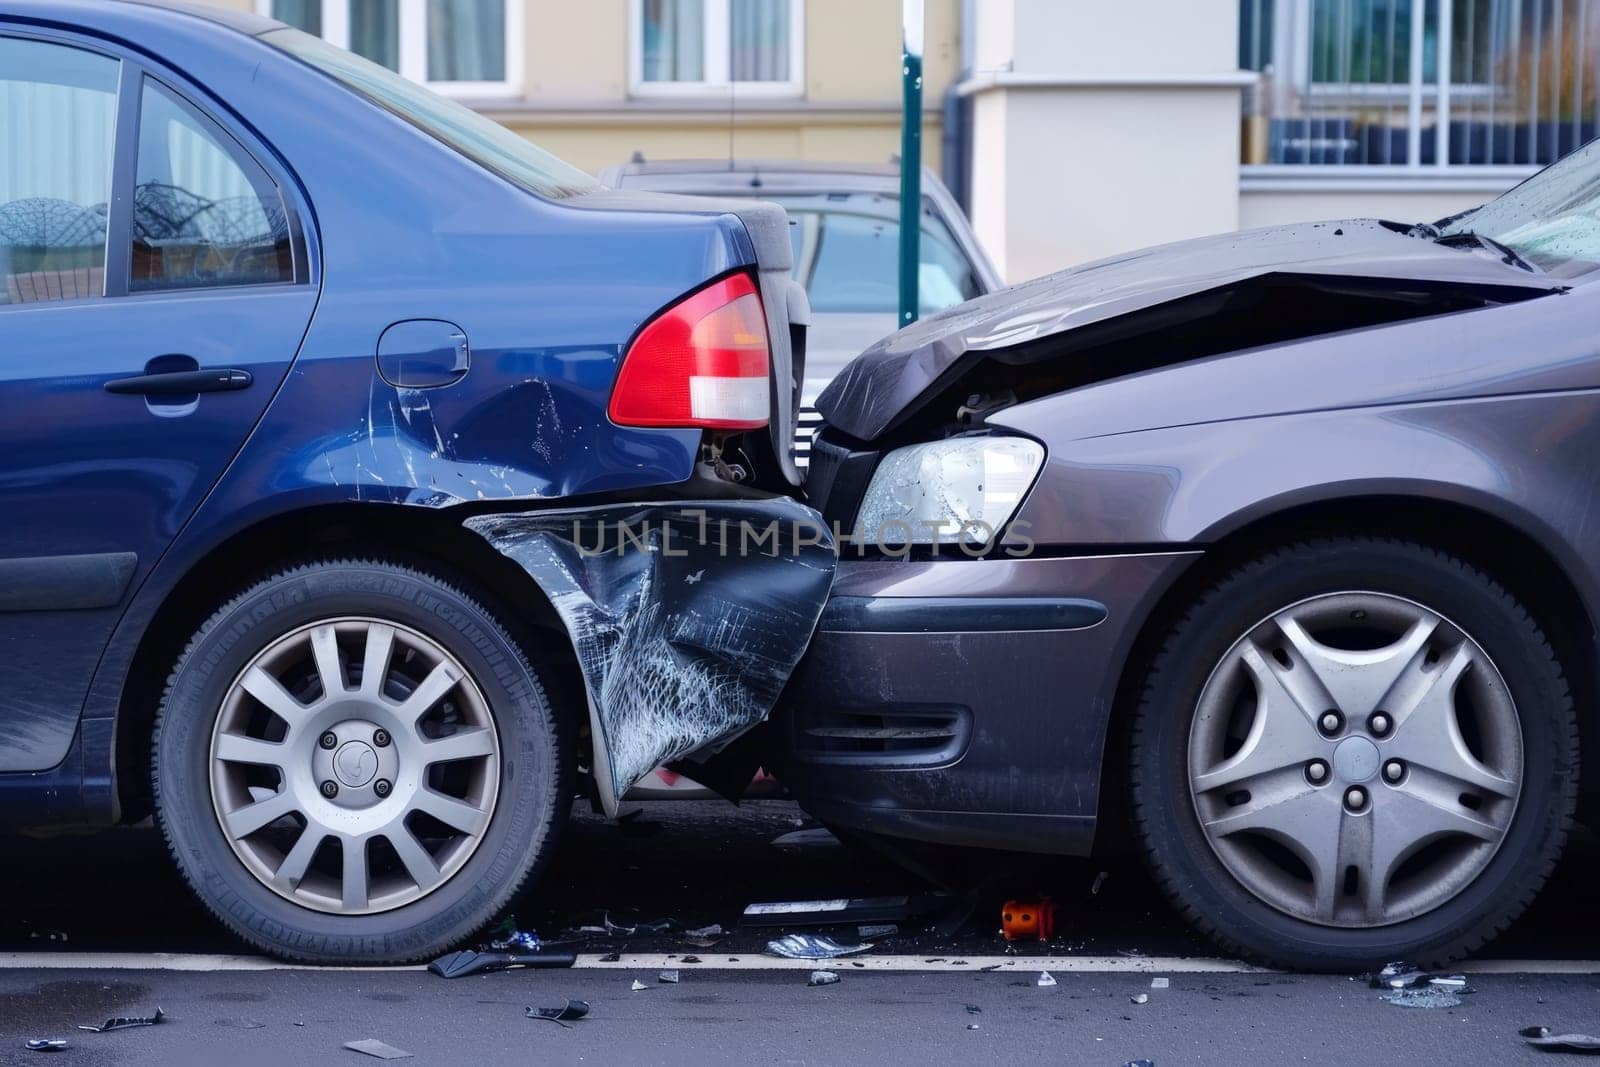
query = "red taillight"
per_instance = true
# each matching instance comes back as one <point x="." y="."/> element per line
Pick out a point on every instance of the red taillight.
<point x="702" y="362"/>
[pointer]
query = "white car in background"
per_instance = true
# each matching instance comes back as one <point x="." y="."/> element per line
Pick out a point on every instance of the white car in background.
<point x="844" y="224"/>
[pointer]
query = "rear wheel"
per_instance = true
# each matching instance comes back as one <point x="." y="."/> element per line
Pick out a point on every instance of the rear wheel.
<point x="353" y="761"/>
<point x="1353" y="751"/>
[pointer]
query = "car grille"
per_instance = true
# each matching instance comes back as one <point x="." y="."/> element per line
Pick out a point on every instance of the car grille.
<point x="892" y="736"/>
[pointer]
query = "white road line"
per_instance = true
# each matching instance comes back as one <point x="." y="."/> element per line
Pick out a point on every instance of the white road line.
<point x="163" y="961"/>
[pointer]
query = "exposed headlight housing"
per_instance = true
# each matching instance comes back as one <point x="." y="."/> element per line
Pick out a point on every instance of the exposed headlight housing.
<point x="961" y="489"/>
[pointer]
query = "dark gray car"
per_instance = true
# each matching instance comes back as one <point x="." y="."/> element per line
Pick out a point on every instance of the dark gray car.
<point x="1288" y="548"/>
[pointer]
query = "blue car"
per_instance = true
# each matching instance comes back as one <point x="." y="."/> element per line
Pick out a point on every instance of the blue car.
<point x="326" y="402"/>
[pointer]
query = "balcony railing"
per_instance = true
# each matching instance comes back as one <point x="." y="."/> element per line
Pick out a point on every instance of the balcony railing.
<point x="1419" y="84"/>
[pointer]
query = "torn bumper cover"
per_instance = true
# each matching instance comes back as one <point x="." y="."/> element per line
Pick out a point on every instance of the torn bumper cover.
<point x="687" y="619"/>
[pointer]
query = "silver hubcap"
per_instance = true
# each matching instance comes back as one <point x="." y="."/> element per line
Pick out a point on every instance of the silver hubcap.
<point x="354" y="766"/>
<point x="1355" y="759"/>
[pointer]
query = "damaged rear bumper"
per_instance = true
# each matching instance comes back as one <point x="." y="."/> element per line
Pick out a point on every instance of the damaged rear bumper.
<point x="967" y="701"/>
<point x="686" y="618"/>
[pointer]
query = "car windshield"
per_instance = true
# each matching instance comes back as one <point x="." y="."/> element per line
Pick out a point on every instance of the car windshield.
<point x="479" y="139"/>
<point x="847" y="254"/>
<point x="1552" y="220"/>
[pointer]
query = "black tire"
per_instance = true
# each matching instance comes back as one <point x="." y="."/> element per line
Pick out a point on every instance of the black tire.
<point x="535" y="767"/>
<point x="1177" y="850"/>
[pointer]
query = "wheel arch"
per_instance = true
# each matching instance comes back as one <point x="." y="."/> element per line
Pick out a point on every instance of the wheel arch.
<point x="430" y="540"/>
<point x="1480" y="537"/>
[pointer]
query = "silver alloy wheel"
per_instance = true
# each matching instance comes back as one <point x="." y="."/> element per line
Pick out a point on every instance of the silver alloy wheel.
<point x="1355" y="759"/>
<point x="354" y="766"/>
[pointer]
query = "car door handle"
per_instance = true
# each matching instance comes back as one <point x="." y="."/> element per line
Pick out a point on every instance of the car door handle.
<point x="182" y="382"/>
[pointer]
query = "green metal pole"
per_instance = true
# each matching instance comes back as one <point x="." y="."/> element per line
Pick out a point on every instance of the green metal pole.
<point x="910" y="157"/>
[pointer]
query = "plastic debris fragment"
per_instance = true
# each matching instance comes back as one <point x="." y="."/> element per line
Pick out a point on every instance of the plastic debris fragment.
<point x="843" y="910"/>
<point x="125" y="1022"/>
<point x="571" y="1011"/>
<point x="1540" y="1037"/>
<point x="973" y="1009"/>
<point x="1160" y="983"/>
<point x="638" y="985"/>
<point x="668" y="977"/>
<point x="871" y="931"/>
<point x="705" y="932"/>
<point x="812" y="947"/>
<point x="1045" y="979"/>
<point x="371" y="1046"/>
<point x="822" y="978"/>
<point x="473" y="961"/>
<point x="46" y="1044"/>
<point x="1099" y="880"/>
<point x="1140" y="998"/>
<point x="1399" y="975"/>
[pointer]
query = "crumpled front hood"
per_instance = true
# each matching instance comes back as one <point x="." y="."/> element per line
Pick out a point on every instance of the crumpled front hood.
<point x="889" y="380"/>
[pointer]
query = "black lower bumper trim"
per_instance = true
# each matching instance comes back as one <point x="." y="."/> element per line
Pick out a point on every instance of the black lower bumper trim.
<point x="926" y="615"/>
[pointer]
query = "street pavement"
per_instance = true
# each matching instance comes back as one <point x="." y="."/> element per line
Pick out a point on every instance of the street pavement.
<point x="92" y="927"/>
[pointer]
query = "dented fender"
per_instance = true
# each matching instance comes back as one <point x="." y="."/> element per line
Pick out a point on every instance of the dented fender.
<point x="687" y="618"/>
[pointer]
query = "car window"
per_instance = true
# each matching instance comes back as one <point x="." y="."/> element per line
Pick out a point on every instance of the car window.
<point x="204" y="213"/>
<point x="481" y="140"/>
<point x="58" y="118"/>
<point x="847" y="254"/>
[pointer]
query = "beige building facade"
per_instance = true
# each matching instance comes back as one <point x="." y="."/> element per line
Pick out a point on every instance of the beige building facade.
<point x="573" y="82"/>
<point x="1085" y="128"/>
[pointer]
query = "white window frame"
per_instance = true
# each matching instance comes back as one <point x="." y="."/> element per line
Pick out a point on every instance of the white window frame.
<point x="718" y="30"/>
<point x="413" y="49"/>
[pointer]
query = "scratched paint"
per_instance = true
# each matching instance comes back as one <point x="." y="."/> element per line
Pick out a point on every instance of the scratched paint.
<point x="687" y="619"/>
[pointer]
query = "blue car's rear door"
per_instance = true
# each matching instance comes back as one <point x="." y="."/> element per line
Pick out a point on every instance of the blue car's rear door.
<point x="153" y="292"/>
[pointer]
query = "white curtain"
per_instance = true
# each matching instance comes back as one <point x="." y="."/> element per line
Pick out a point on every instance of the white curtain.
<point x="467" y="40"/>
<point x="58" y="111"/>
<point x="760" y="46"/>
<point x="674" y="40"/>
<point x="375" y="31"/>
<point x="201" y="166"/>
<point x="55" y="142"/>
<point x="301" y="14"/>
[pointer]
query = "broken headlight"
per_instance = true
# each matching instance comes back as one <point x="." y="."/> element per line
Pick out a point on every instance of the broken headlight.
<point x="961" y="489"/>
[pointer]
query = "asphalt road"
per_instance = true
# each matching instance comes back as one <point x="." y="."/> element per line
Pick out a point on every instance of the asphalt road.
<point x="115" y="896"/>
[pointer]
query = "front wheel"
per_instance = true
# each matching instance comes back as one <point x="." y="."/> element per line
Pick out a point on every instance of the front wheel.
<point x="354" y="762"/>
<point x="1352" y="751"/>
